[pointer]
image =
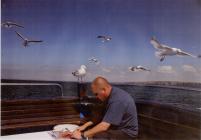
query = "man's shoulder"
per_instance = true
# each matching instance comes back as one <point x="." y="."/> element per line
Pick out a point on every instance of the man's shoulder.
<point x="120" y="94"/>
<point x="118" y="90"/>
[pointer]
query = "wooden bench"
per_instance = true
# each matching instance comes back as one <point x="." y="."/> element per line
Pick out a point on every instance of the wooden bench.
<point x="20" y="116"/>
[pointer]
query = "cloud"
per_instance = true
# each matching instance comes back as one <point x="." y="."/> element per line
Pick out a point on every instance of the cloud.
<point x="188" y="68"/>
<point x="166" y="69"/>
<point x="106" y="69"/>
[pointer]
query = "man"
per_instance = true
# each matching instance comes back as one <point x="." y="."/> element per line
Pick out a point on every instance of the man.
<point x="120" y="119"/>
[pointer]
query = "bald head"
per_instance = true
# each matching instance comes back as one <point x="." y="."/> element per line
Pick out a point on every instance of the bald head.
<point x="101" y="88"/>
<point x="100" y="82"/>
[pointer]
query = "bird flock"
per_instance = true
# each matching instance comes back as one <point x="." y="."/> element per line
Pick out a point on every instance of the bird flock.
<point x="162" y="51"/>
<point x="26" y="41"/>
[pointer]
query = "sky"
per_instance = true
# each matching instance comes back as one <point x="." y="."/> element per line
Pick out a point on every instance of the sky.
<point x="69" y="30"/>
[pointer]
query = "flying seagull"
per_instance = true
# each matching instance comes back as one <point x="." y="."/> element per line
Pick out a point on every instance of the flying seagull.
<point x="9" y="24"/>
<point x="104" y="38"/>
<point x="164" y="50"/>
<point x="138" y="68"/>
<point x="80" y="73"/>
<point x="26" y="40"/>
<point x="94" y="60"/>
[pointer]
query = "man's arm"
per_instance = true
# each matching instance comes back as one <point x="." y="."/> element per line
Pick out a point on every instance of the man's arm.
<point x="84" y="126"/>
<point x="101" y="127"/>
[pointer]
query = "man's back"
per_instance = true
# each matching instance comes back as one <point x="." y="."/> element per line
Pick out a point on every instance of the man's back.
<point x="121" y="112"/>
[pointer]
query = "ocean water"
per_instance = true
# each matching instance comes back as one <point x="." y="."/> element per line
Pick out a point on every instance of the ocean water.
<point x="187" y="97"/>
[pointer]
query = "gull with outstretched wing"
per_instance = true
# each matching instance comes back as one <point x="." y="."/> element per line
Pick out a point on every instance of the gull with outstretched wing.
<point x="94" y="60"/>
<point x="138" y="68"/>
<point x="26" y="40"/>
<point x="164" y="50"/>
<point x="104" y="38"/>
<point x="9" y="24"/>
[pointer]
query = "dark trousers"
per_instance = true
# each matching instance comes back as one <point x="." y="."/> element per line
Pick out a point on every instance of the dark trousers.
<point x="113" y="135"/>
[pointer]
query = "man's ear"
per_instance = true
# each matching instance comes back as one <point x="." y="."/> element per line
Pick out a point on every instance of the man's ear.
<point x="103" y="91"/>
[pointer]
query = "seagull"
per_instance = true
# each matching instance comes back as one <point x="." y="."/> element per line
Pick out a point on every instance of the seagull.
<point x="138" y="68"/>
<point x="27" y="41"/>
<point x="104" y="38"/>
<point x="164" y="50"/>
<point x="9" y="24"/>
<point x="94" y="60"/>
<point x="80" y="73"/>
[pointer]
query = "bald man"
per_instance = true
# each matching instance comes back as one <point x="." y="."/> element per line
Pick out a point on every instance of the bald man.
<point x="120" y="119"/>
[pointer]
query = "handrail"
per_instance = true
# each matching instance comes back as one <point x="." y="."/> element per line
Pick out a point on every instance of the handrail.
<point x="11" y="84"/>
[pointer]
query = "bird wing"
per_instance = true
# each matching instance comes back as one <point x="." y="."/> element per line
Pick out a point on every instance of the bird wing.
<point x="35" y="41"/>
<point x="131" y="68"/>
<point x="145" y="69"/>
<point x="17" y="25"/>
<point x="20" y="35"/>
<point x="156" y="44"/>
<point x="3" y="23"/>
<point x="108" y="38"/>
<point x="142" y="68"/>
<point x="166" y="47"/>
<point x="91" y="58"/>
<point x="159" y="46"/>
<point x="100" y="36"/>
<point x="185" y="53"/>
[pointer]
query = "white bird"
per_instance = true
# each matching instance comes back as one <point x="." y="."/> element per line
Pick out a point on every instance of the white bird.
<point x="26" y="40"/>
<point x="138" y="68"/>
<point x="80" y="73"/>
<point x="94" y="60"/>
<point x="104" y="38"/>
<point x="164" y="50"/>
<point x="9" y="24"/>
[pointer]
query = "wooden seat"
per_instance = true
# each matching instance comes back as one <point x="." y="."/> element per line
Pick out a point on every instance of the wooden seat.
<point x="20" y="116"/>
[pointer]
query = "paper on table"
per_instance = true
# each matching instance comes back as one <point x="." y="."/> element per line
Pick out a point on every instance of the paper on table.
<point x="65" y="127"/>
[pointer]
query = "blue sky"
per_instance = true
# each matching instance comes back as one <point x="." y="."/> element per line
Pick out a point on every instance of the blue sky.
<point x="69" y="29"/>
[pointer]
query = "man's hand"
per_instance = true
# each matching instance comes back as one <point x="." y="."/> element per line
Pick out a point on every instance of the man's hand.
<point x="65" y="134"/>
<point x="76" y="135"/>
<point x="81" y="128"/>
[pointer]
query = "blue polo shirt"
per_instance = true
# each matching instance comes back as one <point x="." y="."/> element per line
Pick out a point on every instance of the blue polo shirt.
<point x="121" y="112"/>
